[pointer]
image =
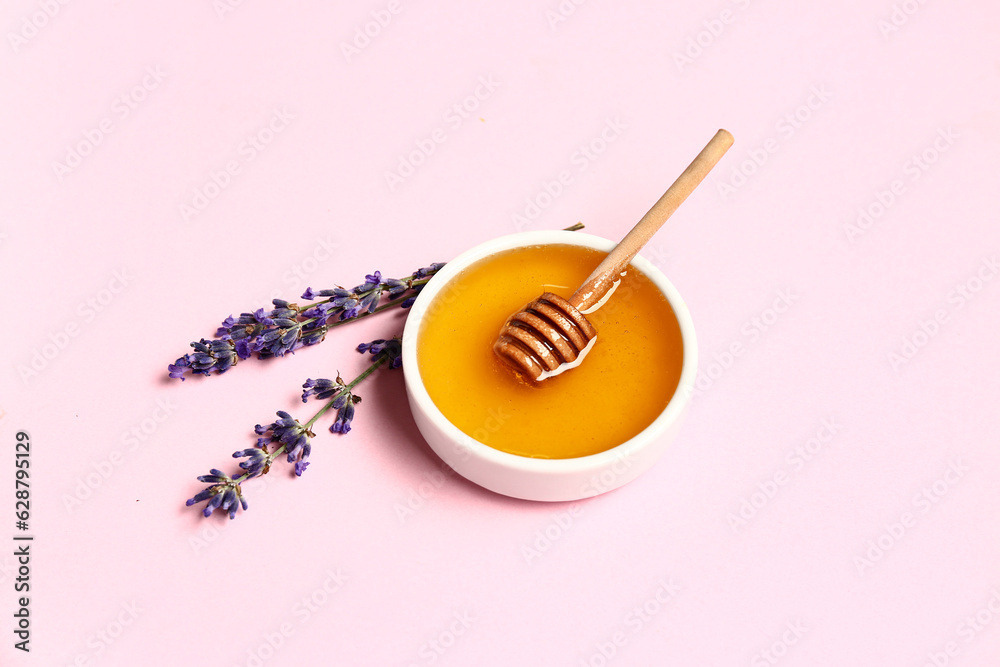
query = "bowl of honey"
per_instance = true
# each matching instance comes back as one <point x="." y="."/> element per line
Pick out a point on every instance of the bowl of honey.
<point x="580" y="433"/>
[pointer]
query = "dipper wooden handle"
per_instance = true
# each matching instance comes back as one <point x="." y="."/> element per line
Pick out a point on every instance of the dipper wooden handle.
<point x="551" y="334"/>
<point x="604" y="276"/>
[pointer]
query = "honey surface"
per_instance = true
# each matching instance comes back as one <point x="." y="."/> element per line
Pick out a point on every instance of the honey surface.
<point x="623" y="384"/>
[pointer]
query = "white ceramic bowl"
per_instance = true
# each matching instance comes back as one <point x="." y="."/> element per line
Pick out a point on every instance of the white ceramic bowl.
<point x="532" y="478"/>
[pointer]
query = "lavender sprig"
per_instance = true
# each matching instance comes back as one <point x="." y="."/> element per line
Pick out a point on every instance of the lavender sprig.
<point x="286" y="435"/>
<point x="222" y="492"/>
<point x="290" y="326"/>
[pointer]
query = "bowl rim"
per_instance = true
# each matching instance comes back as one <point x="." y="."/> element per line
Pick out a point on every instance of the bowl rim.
<point x="473" y="448"/>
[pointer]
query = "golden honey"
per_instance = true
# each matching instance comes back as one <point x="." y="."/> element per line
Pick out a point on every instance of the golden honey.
<point x="623" y="384"/>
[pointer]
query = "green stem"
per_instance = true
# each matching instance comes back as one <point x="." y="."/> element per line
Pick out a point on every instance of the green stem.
<point x="361" y="295"/>
<point x="379" y="360"/>
<point x="384" y="306"/>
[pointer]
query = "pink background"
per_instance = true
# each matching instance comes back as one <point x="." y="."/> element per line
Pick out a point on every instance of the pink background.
<point x="324" y="569"/>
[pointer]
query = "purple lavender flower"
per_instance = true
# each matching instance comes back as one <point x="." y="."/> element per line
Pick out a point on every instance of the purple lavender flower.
<point x="311" y="294"/>
<point x="222" y="493"/>
<point x="276" y="342"/>
<point x="258" y="461"/>
<point x="370" y="302"/>
<point x="299" y="450"/>
<point x="287" y="327"/>
<point x="350" y="309"/>
<point x="246" y="325"/>
<point x="286" y="435"/>
<point x="321" y="388"/>
<point x="428" y="271"/>
<point x="178" y="368"/>
<point x="223" y="331"/>
<point x="395" y="287"/>
<point x="292" y="437"/>
<point x="392" y="349"/>
<point x="318" y="312"/>
<point x="314" y="332"/>
<point x="209" y="356"/>
<point x="342" y="424"/>
<point x="244" y="348"/>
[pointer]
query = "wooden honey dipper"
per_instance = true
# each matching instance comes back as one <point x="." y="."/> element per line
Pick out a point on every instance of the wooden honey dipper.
<point x="552" y="334"/>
